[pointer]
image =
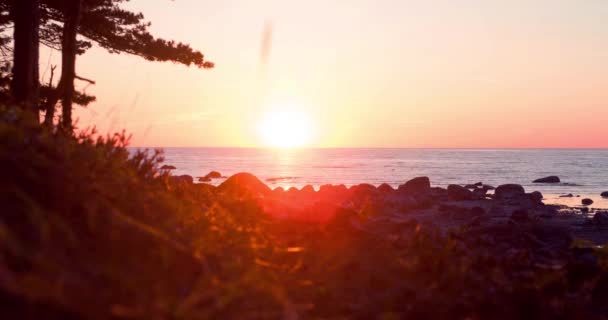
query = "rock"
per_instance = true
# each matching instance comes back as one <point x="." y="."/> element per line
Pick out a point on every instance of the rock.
<point x="470" y="186"/>
<point x="385" y="188"/>
<point x="549" y="179"/>
<point x="456" y="192"/>
<point x="182" y="179"/>
<point x="168" y="167"/>
<point x="214" y="175"/>
<point x="210" y="176"/>
<point x="587" y="202"/>
<point x="520" y="215"/>
<point x="604" y="194"/>
<point x="293" y="191"/>
<point x="308" y="189"/>
<point x="569" y="195"/>
<point x="478" y="184"/>
<point x="536" y="197"/>
<point x="438" y="192"/>
<point x="601" y="218"/>
<point x="509" y="191"/>
<point x="401" y="201"/>
<point x="479" y="193"/>
<point x="243" y="182"/>
<point x="416" y="185"/>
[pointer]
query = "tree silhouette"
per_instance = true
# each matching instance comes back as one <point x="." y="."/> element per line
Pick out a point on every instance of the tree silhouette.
<point x="101" y="22"/>
<point x="25" y="15"/>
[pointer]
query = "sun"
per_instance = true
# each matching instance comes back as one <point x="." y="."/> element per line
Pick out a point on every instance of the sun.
<point x="285" y="129"/>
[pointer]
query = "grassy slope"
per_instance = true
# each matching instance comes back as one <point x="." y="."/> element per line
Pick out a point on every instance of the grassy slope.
<point x="88" y="232"/>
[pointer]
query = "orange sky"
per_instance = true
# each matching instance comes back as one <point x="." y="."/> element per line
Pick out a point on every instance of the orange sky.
<point x="368" y="73"/>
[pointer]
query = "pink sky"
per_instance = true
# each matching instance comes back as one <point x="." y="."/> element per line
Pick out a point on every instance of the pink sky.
<point x="366" y="73"/>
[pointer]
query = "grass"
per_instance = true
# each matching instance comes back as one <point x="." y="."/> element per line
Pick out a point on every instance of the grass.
<point x="89" y="231"/>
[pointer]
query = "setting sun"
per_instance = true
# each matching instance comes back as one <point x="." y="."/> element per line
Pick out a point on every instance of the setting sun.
<point x="285" y="129"/>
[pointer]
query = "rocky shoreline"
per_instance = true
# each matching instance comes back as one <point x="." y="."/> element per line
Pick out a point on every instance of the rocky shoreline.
<point x="455" y="207"/>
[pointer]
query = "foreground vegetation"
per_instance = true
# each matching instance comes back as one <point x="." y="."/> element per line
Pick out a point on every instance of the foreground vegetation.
<point x="88" y="231"/>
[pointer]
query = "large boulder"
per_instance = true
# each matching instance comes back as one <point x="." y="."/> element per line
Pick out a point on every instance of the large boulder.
<point x="509" y="191"/>
<point x="416" y="185"/>
<point x="586" y="202"/>
<point x="549" y="179"/>
<point x="459" y="193"/>
<point x="604" y="194"/>
<point x="243" y="182"/>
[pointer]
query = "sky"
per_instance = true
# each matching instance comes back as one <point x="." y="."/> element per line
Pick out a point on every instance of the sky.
<point x="364" y="73"/>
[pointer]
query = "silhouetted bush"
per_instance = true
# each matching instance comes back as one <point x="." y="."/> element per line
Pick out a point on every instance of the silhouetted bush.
<point x="91" y="231"/>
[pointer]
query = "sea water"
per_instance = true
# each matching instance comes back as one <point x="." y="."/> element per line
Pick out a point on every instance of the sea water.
<point x="583" y="172"/>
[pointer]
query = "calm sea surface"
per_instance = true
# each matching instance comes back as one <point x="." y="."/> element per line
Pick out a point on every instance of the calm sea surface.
<point x="583" y="172"/>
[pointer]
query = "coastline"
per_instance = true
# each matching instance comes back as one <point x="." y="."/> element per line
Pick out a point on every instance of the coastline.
<point x="447" y="209"/>
<point x="560" y="199"/>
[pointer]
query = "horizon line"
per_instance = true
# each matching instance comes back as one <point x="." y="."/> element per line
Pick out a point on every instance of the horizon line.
<point x="371" y="148"/>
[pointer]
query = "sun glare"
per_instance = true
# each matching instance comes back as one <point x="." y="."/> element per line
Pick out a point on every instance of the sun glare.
<point x="285" y="129"/>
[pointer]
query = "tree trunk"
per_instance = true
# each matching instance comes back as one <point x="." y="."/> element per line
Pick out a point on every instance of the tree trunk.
<point x="68" y="59"/>
<point x="25" y="85"/>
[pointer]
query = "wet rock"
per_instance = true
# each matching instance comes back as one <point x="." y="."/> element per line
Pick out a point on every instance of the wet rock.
<point x="569" y="195"/>
<point x="604" y="194"/>
<point x="509" y="191"/>
<point x="168" y="167"/>
<point x="520" y="215"/>
<point x="549" y="179"/>
<point x="416" y="185"/>
<point x="471" y="186"/>
<point x="243" y="182"/>
<point x="459" y="193"/>
<point x="586" y="202"/>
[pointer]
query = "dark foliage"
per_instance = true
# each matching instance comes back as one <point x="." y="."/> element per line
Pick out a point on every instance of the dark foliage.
<point x="90" y="231"/>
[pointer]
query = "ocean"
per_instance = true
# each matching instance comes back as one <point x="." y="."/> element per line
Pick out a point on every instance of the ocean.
<point x="583" y="172"/>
